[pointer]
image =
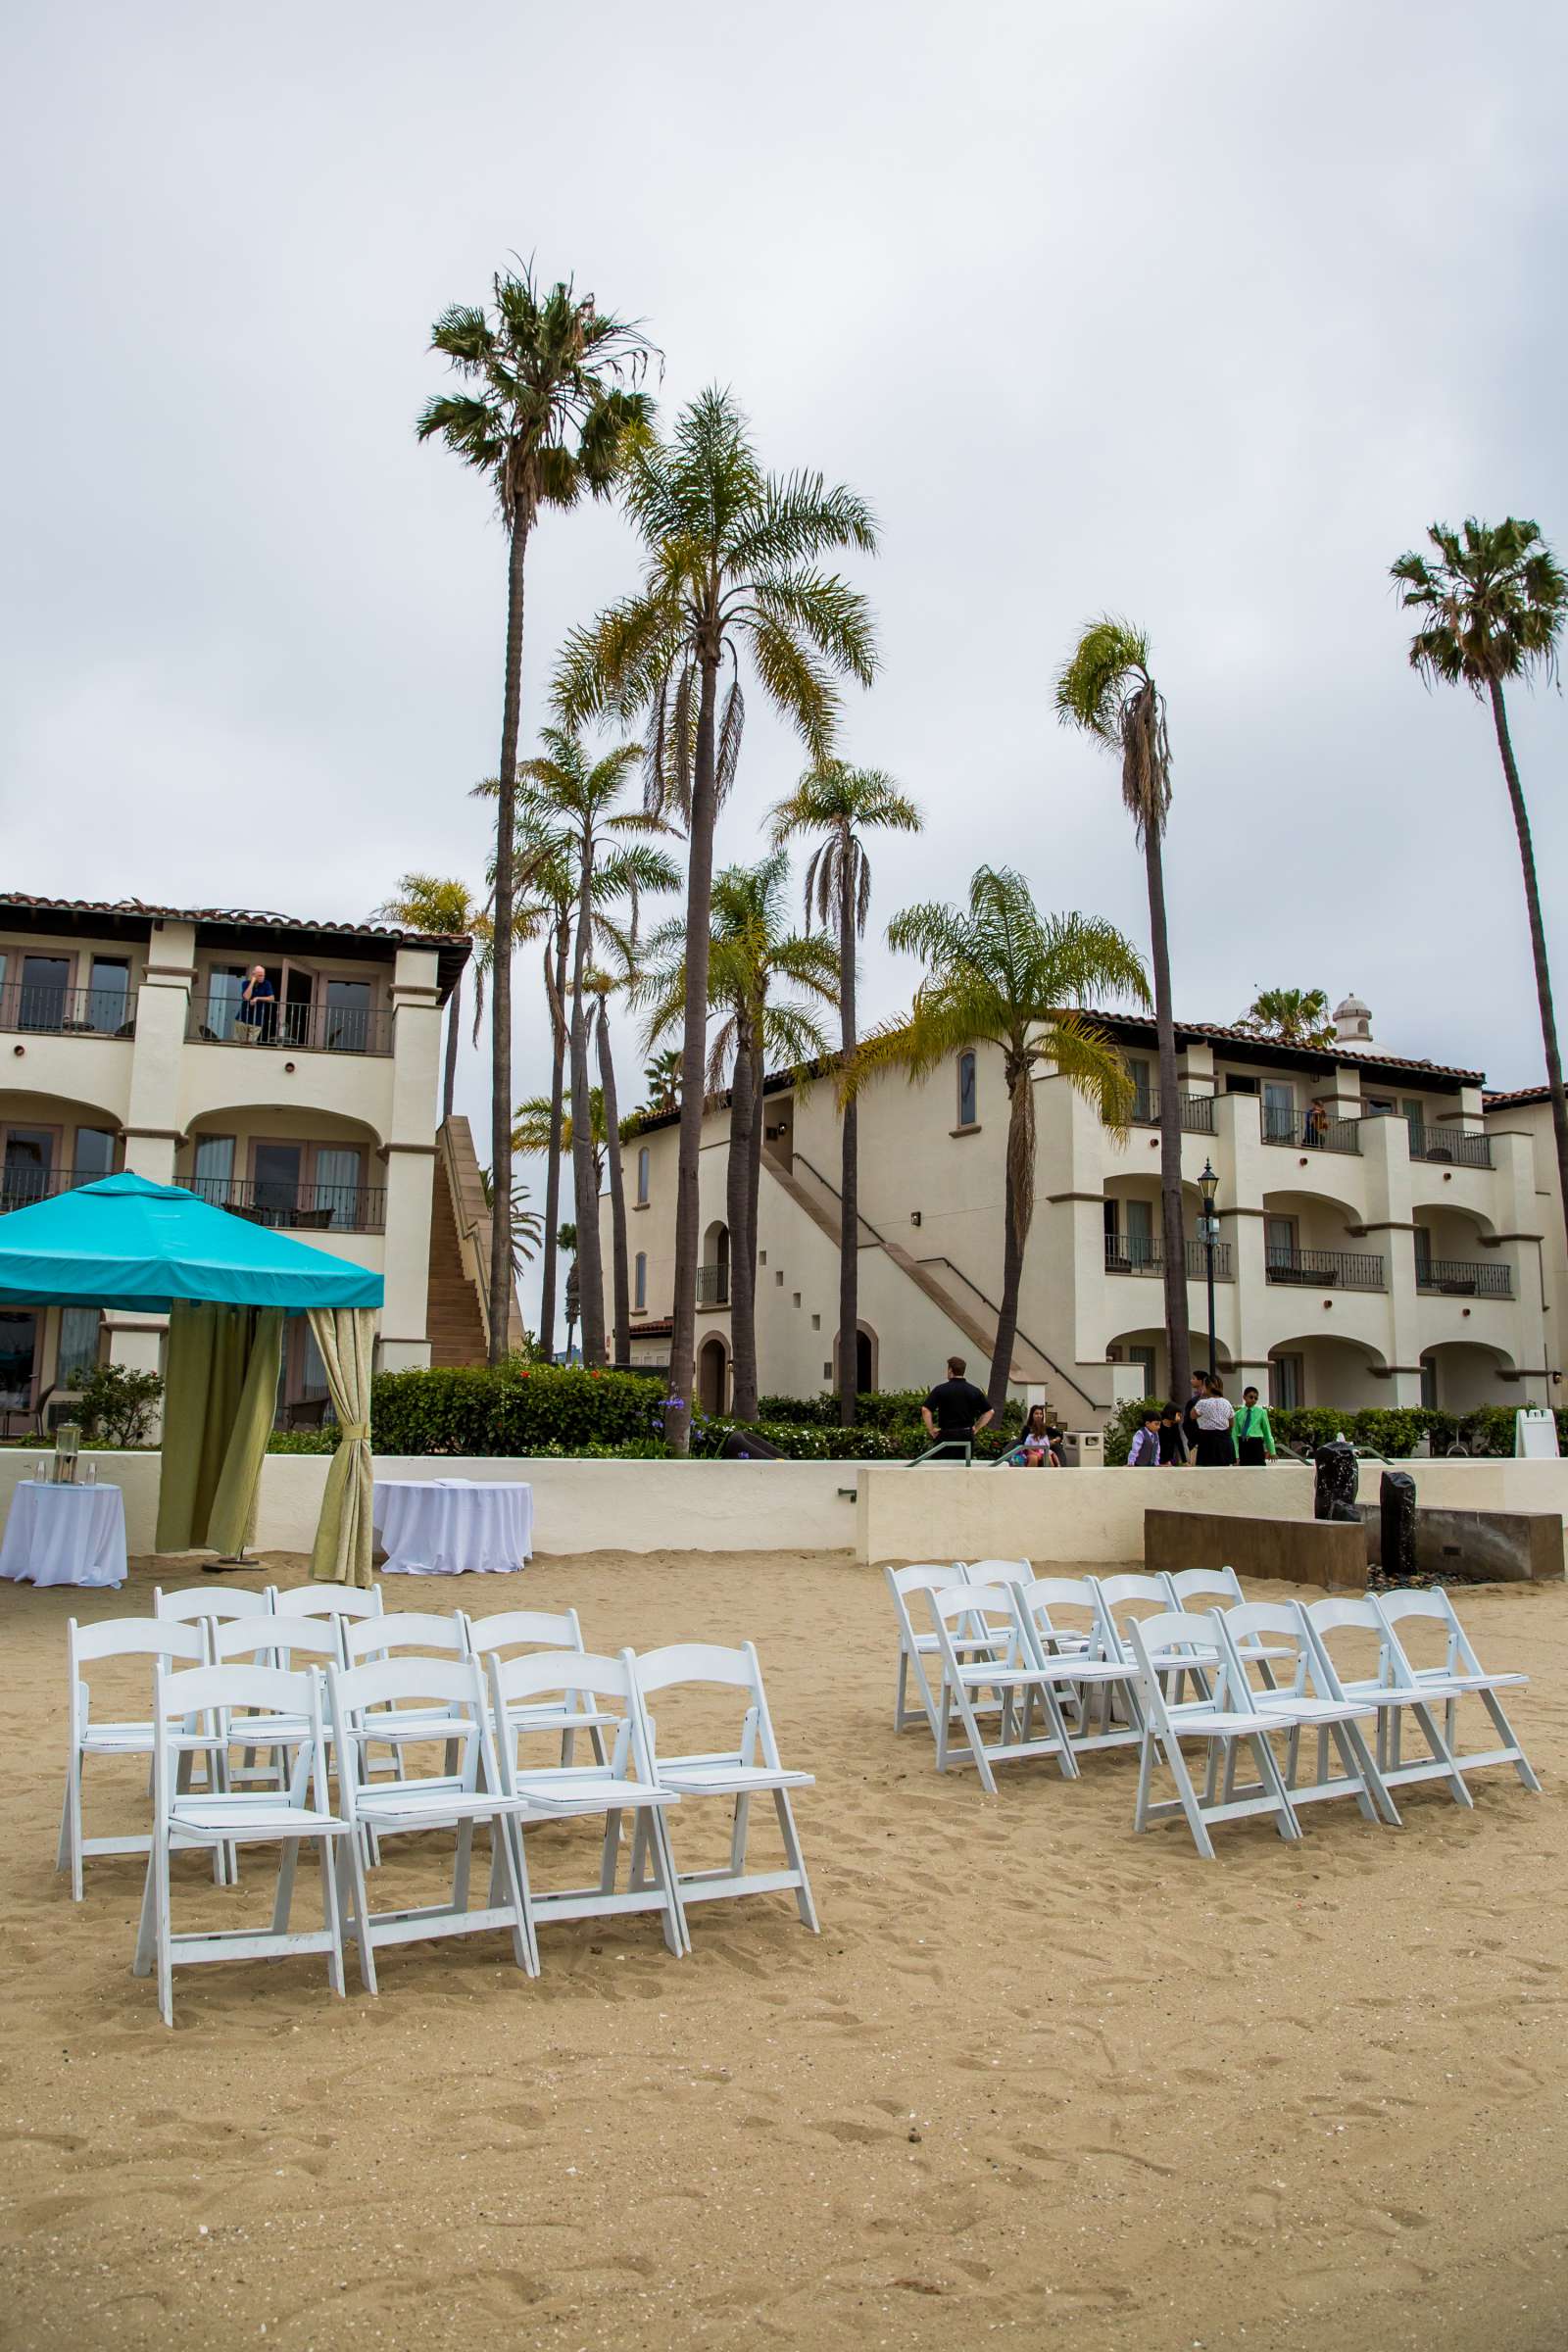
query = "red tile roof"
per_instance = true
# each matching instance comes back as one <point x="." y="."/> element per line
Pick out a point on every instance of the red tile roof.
<point x="1520" y="1099"/>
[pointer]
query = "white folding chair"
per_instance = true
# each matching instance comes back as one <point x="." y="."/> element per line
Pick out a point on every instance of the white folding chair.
<point x="1068" y="1628"/>
<point x="212" y="1819"/>
<point x="1009" y="1668"/>
<point x="624" y="1785"/>
<point x="1460" y="1674"/>
<point x="454" y="1800"/>
<point x="173" y="1645"/>
<point x="752" y="1768"/>
<point x="1386" y="1689"/>
<point x="1191" y="1587"/>
<point x="1305" y="1700"/>
<point x="543" y="1629"/>
<point x="999" y="1572"/>
<point x="426" y="1635"/>
<point x="1226" y="1715"/>
<point x="916" y="1647"/>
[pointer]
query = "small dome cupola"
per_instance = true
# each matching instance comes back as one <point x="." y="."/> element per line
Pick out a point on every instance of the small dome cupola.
<point x="1352" y="1021"/>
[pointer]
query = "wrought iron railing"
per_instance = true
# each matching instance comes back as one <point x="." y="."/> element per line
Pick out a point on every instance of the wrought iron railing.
<point x="303" y="1028"/>
<point x="298" y="1207"/>
<point x="1197" y="1111"/>
<point x="713" y="1286"/>
<point x="69" y="1011"/>
<point x="20" y="1188"/>
<point x="1324" y="1269"/>
<point x="1450" y="1144"/>
<point x="1310" y="1130"/>
<point x="1464" y="1278"/>
<point x="1126" y="1255"/>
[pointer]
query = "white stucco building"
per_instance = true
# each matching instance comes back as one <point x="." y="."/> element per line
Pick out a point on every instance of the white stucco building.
<point x="1382" y="1233"/>
<point x="118" y="1048"/>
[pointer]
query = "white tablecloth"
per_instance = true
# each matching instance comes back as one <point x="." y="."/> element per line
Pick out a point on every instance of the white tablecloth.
<point x="65" y="1535"/>
<point x="446" y="1525"/>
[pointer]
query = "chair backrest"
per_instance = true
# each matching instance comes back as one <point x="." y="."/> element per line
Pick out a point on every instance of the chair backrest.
<point x="1116" y="1592"/>
<point x="1181" y="1630"/>
<point x="276" y="1640"/>
<point x="537" y="1628"/>
<point x="927" y="1575"/>
<point x="999" y="1572"/>
<point x="1282" y="1621"/>
<point x="1058" y="1606"/>
<point x="552" y="1673"/>
<point x="194" y="1602"/>
<point x="234" y="1689"/>
<point x="705" y="1662"/>
<point x="172" y="1645"/>
<point x="327" y="1600"/>
<point x="457" y="1687"/>
<point x="1401" y="1609"/>
<point x="1203" y="1583"/>
<point x="404" y="1628"/>
<point x="1336" y="1615"/>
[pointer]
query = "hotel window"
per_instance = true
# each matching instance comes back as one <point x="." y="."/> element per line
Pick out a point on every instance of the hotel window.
<point x="639" y="1292"/>
<point x="107" y="1001"/>
<point x="1286" y="1382"/>
<point x="642" y="1177"/>
<point x="78" y="1344"/>
<point x="966" y="1091"/>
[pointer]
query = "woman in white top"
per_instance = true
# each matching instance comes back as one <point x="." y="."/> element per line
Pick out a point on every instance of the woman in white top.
<point x="1213" y="1414"/>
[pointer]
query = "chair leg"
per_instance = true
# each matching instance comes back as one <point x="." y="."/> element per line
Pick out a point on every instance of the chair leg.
<point x="739" y="1829"/>
<point x="506" y="1859"/>
<point x="1361" y="1770"/>
<point x="284" y="1902"/>
<point x="1504" y="1727"/>
<point x="1441" y="1750"/>
<point x="333" y="1914"/>
<point x="971" y="1731"/>
<point x="676" y="1937"/>
<point x="1268" y="1773"/>
<point x="147" y="1926"/>
<point x="351" y="1866"/>
<point x="1146" y="1765"/>
<point x="1189" y="1799"/>
<point x="609" y="1859"/>
<point x="803" y="1903"/>
<point x="460" y="1866"/>
<point x="71" y="1825"/>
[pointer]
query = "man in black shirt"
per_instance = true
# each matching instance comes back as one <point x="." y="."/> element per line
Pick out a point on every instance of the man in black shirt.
<point x="955" y="1411"/>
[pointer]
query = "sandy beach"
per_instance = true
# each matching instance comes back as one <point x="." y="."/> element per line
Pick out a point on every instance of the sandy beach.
<point x="1038" y="2080"/>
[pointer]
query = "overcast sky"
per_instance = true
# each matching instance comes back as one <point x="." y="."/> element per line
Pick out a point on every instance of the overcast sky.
<point x="1200" y="312"/>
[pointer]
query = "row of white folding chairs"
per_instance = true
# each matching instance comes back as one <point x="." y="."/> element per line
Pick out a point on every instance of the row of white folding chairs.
<point x="320" y="1626"/>
<point x="476" y="1704"/>
<point x="1006" y="1649"/>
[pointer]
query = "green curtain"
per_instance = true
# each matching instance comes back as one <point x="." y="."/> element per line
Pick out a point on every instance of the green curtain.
<point x="346" y="1337"/>
<point x="219" y="1396"/>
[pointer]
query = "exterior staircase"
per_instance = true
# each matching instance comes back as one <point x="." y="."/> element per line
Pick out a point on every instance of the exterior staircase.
<point x="456" y="1311"/>
<point x="949" y="1290"/>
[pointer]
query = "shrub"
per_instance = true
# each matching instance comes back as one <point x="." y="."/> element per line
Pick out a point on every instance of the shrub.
<point x="512" y="1409"/>
<point x="304" y="1440"/>
<point x="117" y="1405"/>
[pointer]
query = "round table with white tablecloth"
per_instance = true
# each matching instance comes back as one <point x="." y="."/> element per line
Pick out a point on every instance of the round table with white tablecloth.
<point x="453" y="1526"/>
<point x="65" y="1535"/>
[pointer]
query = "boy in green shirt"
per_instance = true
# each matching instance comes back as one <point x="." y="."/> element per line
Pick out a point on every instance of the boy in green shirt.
<point x="1254" y="1436"/>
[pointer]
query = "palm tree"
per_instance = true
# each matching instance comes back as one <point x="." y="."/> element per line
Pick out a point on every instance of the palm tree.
<point x="1003" y="974"/>
<point x="1494" y="602"/>
<point x="732" y="561"/>
<point x="566" y="1243"/>
<point x="428" y="903"/>
<point x="530" y="1132"/>
<point x="662" y="1077"/>
<point x="845" y="802"/>
<point x="1293" y="1017"/>
<point x="640" y="868"/>
<point x="527" y="1225"/>
<point x="1106" y="687"/>
<point x="752" y="950"/>
<point x="544" y="419"/>
<point x="578" y="796"/>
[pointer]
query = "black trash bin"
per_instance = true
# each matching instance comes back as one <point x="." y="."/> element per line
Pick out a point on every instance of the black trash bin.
<point x="742" y="1446"/>
<point x="1336" y="1481"/>
<point x="1396" y="1531"/>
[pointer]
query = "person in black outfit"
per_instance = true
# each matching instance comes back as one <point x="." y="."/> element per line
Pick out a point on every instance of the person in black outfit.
<point x="955" y="1411"/>
<point x="1172" y="1444"/>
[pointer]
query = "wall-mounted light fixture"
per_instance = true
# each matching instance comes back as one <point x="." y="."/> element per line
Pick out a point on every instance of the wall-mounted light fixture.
<point x="914" y="1216"/>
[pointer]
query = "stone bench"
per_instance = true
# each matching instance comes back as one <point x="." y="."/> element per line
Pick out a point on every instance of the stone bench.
<point x="1482" y="1547"/>
<point x="1328" y="1553"/>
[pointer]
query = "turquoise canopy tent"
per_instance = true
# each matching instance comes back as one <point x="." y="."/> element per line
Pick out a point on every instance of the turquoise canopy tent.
<point x="226" y="1284"/>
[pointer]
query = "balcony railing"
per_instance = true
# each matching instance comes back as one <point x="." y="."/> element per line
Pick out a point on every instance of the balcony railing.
<point x="1324" y="1269"/>
<point x="1125" y="1254"/>
<point x="69" y="1012"/>
<point x="20" y="1188"/>
<point x="298" y="1209"/>
<point x="302" y="1028"/>
<point x="1450" y="1144"/>
<point x="1463" y="1278"/>
<point x="1309" y="1130"/>
<point x="1197" y="1111"/>
<point x="713" y="1286"/>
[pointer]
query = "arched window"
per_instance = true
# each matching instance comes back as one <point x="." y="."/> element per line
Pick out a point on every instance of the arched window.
<point x="967" y="1114"/>
<point x="642" y="1177"/>
<point x="639" y="1280"/>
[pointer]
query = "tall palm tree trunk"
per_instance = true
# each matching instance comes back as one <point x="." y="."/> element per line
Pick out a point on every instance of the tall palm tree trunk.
<point x="849" y="1164"/>
<point x="621" y="1285"/>
<point x="742" y="1233"/>
<point x="693" y="1062"/>
<point x="449" y="1081"/>
<point x="590" y="1256"/>
<point x="1538" y="941"/>
<point x="1173" y="1234"/>
<point x="557" y="1075"/>
<point x="754" y="1187"/>
<point x="501" y="1276"/>
<point x="1012" y="1246"/>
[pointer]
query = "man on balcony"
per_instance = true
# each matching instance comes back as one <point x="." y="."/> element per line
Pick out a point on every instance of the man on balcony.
<point x="255" y="1017"/>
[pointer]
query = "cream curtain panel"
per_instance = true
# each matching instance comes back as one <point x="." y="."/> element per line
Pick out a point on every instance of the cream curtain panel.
<point x="220" y="1397"/>
<point x="346" y="1337"/>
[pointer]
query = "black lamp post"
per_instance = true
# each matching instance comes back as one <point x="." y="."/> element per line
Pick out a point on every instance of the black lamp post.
<point x="1208" y="1235"/>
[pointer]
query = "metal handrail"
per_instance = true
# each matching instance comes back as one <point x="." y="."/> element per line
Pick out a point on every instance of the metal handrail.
<point x="37" y="1007"/>
<point x="1134" y="1256"/>
<point x="298" y="1207"/>
<point x="1464" y="1278"/>
<point x="1324" y="1269"/>
<point x="713" y="1286"/>
<point x="1197" y="1111"/>
<point x="1310" y="1130"/>
<point x="1450" y="1144"/>
<point x="306" y="1028"/>
<point x="20" y="1188"/>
